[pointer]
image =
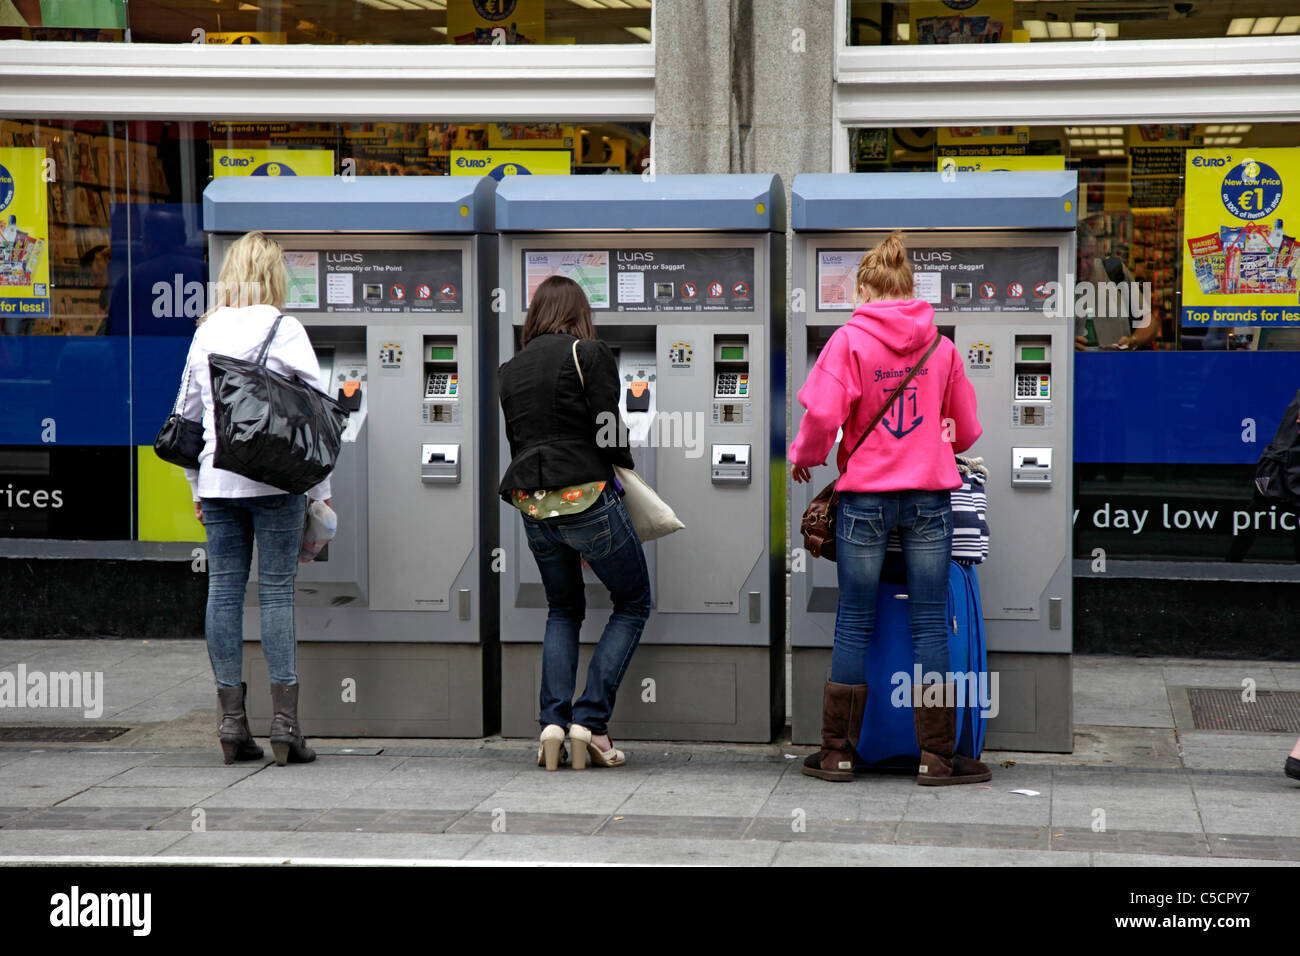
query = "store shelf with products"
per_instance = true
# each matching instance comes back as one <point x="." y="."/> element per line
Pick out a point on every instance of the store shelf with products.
<point x="1156" y="260"/>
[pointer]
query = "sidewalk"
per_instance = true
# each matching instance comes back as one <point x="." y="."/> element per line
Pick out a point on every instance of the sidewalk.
<point x="1167" y="793"/>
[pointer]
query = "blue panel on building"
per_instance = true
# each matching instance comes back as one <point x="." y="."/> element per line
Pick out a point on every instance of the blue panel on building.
<point x="1179" y="407"/>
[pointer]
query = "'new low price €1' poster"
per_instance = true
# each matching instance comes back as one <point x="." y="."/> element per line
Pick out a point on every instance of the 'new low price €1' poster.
<point x="24" y="235"/>
<point x="1241" y="255"/>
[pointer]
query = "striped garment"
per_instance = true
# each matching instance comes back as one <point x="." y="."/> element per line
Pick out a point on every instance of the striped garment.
<point x="970" y="527"/>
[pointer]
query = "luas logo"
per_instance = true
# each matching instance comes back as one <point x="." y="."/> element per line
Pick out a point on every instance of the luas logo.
<point x="129" y="910"/>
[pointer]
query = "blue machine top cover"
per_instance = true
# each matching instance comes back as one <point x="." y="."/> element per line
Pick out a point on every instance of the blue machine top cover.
<point x="461" y="204"/>
<point x="735" y="202"/>
<point x="1001" y="200"/>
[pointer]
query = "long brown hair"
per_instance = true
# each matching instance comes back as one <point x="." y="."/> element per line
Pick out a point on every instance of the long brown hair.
<point x="559" y="305"/>
<point x="886" y="271"/>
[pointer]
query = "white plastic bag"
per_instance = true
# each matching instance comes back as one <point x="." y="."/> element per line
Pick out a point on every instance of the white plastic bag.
<point x="317" y="531"/>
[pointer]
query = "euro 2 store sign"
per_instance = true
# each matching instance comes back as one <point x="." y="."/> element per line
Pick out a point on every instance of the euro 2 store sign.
<point x="1240" y="266"/>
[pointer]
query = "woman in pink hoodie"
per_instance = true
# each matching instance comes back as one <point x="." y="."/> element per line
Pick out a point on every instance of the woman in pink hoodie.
<point x="900" y="478"/>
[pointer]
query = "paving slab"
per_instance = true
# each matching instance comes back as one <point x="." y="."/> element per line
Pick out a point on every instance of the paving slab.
<point x="820" y="831"/>
<point x="637" y="851"/>
<point x="140" y="797"/>
<point x="387" y="846"/>
<point x="1129" y="696"/>
<point x="218" y="819"/>
<point x="414" y="798"/>
<point x="381" y="820"/>
<point x="38" y="795"/>
<point x="540" y="823"/>
<point x="1191" y="844"/>
<point x="841" y="854"/>
<point x="1133" y="860"/>
<point x="63" y="842"/>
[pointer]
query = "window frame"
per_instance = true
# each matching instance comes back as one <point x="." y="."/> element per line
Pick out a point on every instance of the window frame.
<point x="1108" y="82"/>
<point x="310" y="83"/>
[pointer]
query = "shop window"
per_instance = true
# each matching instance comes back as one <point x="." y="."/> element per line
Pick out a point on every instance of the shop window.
<point x="103" y="275"/>
<point x="398" y="22"/>
<point x="1168" y="428"/>
<point x="876" y="23"/>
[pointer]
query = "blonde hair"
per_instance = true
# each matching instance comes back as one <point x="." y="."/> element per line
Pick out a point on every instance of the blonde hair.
<point x="253" y="273"/>
<point x="886" y="271"/>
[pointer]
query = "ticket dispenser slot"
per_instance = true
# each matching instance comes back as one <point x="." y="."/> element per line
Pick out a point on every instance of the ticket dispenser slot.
<point x="730" y="465"/>
<point x="1031" y="467"/>
<point x="440" y="464"/>
<point x="731" y="394"/>
<point x="442" y="384"/>
<point x="1032" y="381"/>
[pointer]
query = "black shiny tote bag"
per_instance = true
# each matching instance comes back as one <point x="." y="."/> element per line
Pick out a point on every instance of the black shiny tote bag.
<point x="273" y="429"/>
<point x="180" y="441"/>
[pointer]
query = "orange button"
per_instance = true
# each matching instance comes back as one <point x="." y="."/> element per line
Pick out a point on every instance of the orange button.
<point x="350" y="388"/>
<point x="637" y="388"/>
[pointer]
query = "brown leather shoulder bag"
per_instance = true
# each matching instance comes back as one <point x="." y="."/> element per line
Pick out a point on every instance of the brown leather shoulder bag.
<point x="818" y="524"/>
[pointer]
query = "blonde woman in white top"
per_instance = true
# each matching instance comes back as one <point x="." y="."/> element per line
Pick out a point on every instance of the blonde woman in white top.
<point x="236" y="511"/>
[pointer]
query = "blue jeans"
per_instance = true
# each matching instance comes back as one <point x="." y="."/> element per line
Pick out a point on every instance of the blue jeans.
<point x="604" y="538"/>
<point x="275" y="522"/>
<point x="863" y="522"/>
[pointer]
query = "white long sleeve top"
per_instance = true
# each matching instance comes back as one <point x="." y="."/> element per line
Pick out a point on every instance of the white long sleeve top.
<point x="240" y="332"/>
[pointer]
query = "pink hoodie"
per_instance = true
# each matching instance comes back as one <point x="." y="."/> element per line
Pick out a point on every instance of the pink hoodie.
<point x="909" y="450"/>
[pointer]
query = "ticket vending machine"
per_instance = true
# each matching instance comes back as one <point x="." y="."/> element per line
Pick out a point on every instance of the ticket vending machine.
<point x="685" y="276"/>
<point x="992" y="252"/>
<point x="397" y="618"/>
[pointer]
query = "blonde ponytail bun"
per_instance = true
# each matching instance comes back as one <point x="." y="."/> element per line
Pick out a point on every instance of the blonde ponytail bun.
<point x="885" y="272"/>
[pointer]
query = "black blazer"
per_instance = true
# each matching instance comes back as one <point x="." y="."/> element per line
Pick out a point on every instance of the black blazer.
<point x="552" y="422"/>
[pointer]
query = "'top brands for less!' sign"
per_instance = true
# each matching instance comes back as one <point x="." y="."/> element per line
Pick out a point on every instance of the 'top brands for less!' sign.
<point x="24" y="236"/>
<point x="1240" y="266"/>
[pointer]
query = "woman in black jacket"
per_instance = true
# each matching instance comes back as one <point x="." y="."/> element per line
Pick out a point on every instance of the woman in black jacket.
<point x="564" y="439"/>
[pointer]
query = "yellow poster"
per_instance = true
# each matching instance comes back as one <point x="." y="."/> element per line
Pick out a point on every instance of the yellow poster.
<point x="982" y="135"/>
<point x="245" y="39"/>
<point x="960" y="21"/>
<point x="530" y="136"/>
<point x="1239" y="264"/>
<point x="509" y="162"/>
<point x="493" y="22"/>
<point x="272" y="162"/>
<point x="24" y="235"/>
<point x="1000" y="164"/>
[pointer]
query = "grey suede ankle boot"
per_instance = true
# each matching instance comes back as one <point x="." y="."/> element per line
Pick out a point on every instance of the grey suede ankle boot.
<point x="287" y="742"/>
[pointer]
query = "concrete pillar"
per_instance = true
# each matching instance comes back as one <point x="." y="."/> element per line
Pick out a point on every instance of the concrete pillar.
<point x="743" y="86"/>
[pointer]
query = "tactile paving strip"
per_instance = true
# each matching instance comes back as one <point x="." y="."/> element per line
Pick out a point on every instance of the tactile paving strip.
<point x="1216" y="708"/>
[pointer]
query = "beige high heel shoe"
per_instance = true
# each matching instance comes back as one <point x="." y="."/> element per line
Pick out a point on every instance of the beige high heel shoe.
<point x="551" y="752"/>
<point x="580" y="739"/>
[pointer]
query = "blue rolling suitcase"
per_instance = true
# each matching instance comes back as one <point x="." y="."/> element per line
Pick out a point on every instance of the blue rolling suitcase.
<point x="888" y="737"/>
